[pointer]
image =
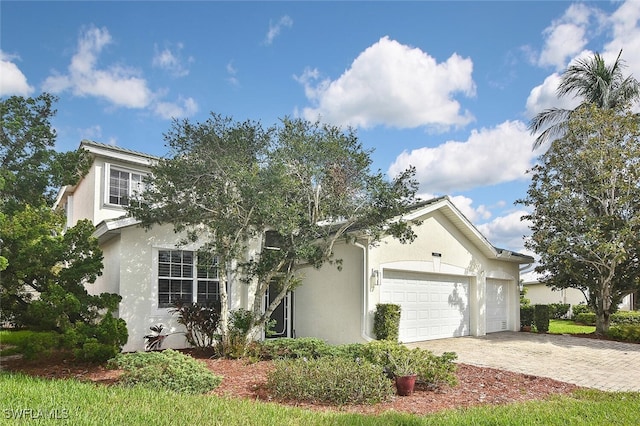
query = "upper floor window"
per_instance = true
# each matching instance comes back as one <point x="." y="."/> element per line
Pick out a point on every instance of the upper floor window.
<point x="123" y="185"/>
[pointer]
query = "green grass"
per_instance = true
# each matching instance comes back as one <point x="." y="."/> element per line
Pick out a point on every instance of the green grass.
<point x="17" y="339"/>
<point x="569" y="327"/>
<point x="73" y="402"/>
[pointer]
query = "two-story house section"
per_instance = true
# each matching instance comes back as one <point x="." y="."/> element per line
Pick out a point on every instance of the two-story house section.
<point x="102" y="194"/>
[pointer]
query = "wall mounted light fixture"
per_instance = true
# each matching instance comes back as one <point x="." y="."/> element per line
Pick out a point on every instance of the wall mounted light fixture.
<point x="375" y="277"/>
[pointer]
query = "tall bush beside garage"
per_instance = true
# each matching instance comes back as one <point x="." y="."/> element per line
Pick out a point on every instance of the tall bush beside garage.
<point x="386" y="321"/>
<point x="541" y="318"/>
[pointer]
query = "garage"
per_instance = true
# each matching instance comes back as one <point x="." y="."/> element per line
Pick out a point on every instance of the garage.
<point x="433" y="306"/>
<point x="497" y="305"/>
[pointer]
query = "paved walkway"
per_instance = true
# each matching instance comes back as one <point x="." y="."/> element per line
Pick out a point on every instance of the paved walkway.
<point x="599" y="364"/>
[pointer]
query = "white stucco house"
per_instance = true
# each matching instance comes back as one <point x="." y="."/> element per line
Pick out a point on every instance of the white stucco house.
<point x="539" y="293"/>
<point x="451" y="281"/>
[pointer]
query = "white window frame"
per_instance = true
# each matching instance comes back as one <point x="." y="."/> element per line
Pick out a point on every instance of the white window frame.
<point x="176" y="273"/>
<point x="130" y="189"/>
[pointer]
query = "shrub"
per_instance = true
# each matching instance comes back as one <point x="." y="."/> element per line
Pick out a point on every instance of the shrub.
<point x="169" y="369"/>
<point x="304" y="347"/>
<point x="39" y="344"/>
<point x="386" y="321"/>
<point x="558" y="310"/>
<point x="200" y="321"/>
<point x="431" y="369"/>
<point x="626" y="317"/>
<point x="94" y="351"/>
<point x="586" y="318"/>
<point x="240" y="322"/>
<point x="580" y="309"/>
<point x="526" y="316"/>
<point x="333" y="380"/>
<point x="625" y="332"/>
<point x="541" y="318"/>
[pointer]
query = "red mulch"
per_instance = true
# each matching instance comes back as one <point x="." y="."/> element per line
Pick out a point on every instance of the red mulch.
<point x="477" y="386"/>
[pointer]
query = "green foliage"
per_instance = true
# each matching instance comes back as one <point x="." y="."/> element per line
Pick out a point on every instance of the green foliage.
<point x="386" y="321"/>
<point x="201" y="322"/>
<point x="36" y="345"/>
<point x="31" y="168"/>
<point x="625" y="332"/>
<point x="626" y="317"/>
<point x="594" y="83"/>
<point x="588" y="318"/>
<point x="585" y="211"/>
<point x="304" y="347"/>
<point x="526" y="315"/>
<point x="564" y="326"/>
<point x="558" y="310"/>
<point x="169" y="369"/>
<point x="329" y="380"/>
<point x="523" y="297"/>
<point x="240" y="323"/>
<point x="541" y="318"/>
<point x="431" y="369"/>
<point x="580" y="309"/>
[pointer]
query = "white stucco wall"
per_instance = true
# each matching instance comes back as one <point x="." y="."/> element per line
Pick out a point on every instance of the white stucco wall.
<point x="329" y="303"/>
<point x="541" y="294"/>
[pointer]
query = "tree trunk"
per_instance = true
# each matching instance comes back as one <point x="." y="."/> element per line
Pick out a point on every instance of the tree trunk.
<point x="602" y="322"/>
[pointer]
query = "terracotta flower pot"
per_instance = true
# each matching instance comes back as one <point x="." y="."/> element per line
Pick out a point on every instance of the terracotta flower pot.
<point x="405" y="385"/>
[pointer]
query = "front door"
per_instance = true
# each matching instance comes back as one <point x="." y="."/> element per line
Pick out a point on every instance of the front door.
<point x="282" y="316"/>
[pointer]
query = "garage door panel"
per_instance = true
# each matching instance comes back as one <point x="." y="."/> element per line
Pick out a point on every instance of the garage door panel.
<point x="433" y="306"/>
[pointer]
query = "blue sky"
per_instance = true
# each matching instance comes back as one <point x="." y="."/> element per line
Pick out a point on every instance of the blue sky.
<point x="448" y="87"/>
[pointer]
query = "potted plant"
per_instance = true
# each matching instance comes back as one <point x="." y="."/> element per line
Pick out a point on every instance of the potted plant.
<point x="404" y="368"/>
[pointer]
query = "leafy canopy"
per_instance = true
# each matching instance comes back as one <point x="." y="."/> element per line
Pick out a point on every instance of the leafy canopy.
<point x="304" y="185"/>
<point x="586" y="200"/>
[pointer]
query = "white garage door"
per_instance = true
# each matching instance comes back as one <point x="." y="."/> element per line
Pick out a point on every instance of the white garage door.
<point x="497" y="305"/>
<point x="433" y="306"/>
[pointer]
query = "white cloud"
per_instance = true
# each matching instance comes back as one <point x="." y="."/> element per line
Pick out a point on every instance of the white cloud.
<point x="91" y="133"/>
<point x="12" y="79"/>
<point x="169" y="110"/>
<point x="275" y="29"/>
<point x="507" y="231"/>
<point x="566" y="37"/>
<point x="487" y="157"/>
<point x="394" y="85"/>
<point x="544" y="96"/>
<point x="465" y="205"/>
<point x="117" y="84"/>
<point x="626" y="36"/>
<point x="170" y="59"/>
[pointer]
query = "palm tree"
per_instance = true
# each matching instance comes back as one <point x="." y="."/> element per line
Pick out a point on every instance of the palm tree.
<point x="593" y="81"/>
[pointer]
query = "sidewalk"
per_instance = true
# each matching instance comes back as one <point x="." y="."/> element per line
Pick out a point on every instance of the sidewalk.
<point x="599" y="364"/>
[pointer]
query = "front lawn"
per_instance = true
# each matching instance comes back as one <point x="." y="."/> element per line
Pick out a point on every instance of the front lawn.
<point x="560" y="326"/>
<point x="51" y="401"/>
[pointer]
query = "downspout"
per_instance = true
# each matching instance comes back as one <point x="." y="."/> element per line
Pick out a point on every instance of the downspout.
<point x="365" y="291"/>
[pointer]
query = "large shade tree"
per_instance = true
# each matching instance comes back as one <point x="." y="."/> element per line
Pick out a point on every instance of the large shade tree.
<point x="307" y="185"/>
<point x="38" y="256"/>
<point x="585" y="196"/>
<point x="592" y="81"/>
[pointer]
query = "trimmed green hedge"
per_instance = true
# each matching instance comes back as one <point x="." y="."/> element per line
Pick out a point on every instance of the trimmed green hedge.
<point x="626" y="317"/>
<point x="526" y="316"/>
<point x="386" y="321"/>
<point x="541" y="318"/>
<point x="625" y="332"/>
<point x="586" y="318"/>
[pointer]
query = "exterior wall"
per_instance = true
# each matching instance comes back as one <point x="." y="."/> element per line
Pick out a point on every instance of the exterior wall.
<point x="329" y="303"/>
<point x="109" y="281"/>
<point x="541" y="294"/>
<point x="138" y="278"/>
<point x="459" y="256"/>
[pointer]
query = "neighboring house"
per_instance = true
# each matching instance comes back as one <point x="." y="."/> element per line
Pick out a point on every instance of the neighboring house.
<point x="449" y="282"/>
<point x="539" y="293"/>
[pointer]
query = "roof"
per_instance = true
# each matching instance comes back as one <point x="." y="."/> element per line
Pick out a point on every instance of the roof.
<point x="93" y="146"/>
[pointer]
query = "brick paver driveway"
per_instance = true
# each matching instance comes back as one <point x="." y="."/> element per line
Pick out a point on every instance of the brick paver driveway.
<point x="599" y="364"/>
